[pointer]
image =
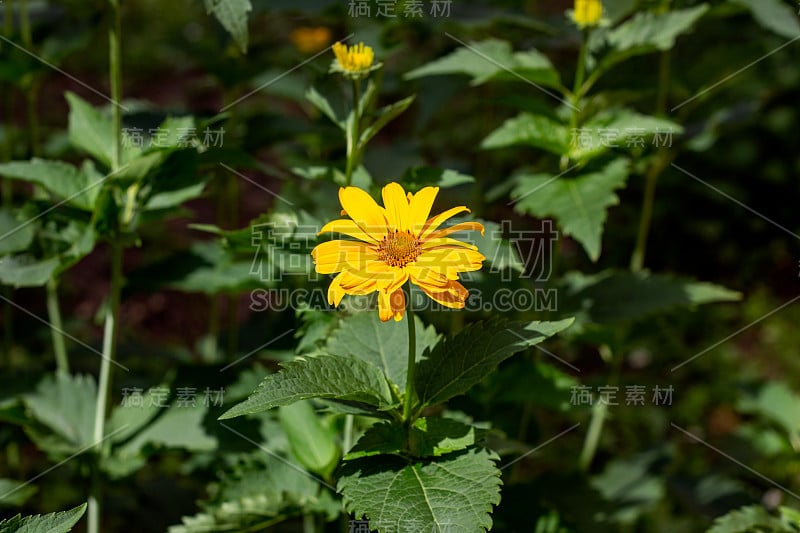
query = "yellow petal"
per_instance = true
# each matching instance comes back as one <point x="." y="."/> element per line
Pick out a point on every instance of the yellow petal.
<point x="461" y="226"/>
<point x="360" y="206"/>
<point x="453" y="295"/>
<point x="451" y="258"/>
<point x="335" y="291"/>
<point x="335" y="256"/>
<point x="358" y="283"/>
<point x="385" y="311"/>
<point x="347" y="227"/>
<point x="428" y="276"/>
<point x="434" y="242"/>
<point x="396" y="205"/>
<point x="398" y="302"/>
<point x="435" y="222"/>
<point x="420" y="206"/>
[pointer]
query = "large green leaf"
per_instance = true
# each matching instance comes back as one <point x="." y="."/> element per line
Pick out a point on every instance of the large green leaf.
<point x="612" y="296"/>
<point x="492" y="59"/>
<point x="92" y="131"/>
<point x="325" y="376"/>
<point x="620" y="128"/>
<point x="24" y="270"/>
<point x="313" y="444"/>
<point x="753" y="518"/>
<point x="579" y="204"/>
<point x="232" y="14"/>
<point x="15" y="234"/>
<point x="49" y="523"/>
<point x="65" y="181"/>
<point x="530" y="130"/>
<point x="383" y="344"/>
<point x="777" y="402"/>
<point x="430" y="437"/>
<point x="65" y="404"/>
<point x="457" y="363"/>
<point x="647" y="32"/>
<point x="15" y="493"/>
<point x="452" y="493"/>
<point x="774" y="15"/>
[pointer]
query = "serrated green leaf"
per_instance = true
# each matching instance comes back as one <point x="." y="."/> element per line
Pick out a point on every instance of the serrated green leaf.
<point x="92" y="131"/>
<point x="492" y="59"/>
<point x="383" y="344"/>
<point x="452" y="493"/>
<point x="325" y="376"/>
<point x="15" y="235"/>
<point x="430" y="437"/>
<point x="579" y="204"/>
<point x="232" y="14"/>
<point x="619" y="128"/>
<point x="612" y="296"/>
<point x="457" y="363"/>
<point x="26" y="271"/>
<point x="65" y="181"/>
<point x="774" y="15"/>
<point x="750" y="519"/>
<point x="313" y="444"/>
<point x="15" y="493"/>
<point x="65" y="404"/>
<point x="530" y="130"/>
<point x="61" y="522"/>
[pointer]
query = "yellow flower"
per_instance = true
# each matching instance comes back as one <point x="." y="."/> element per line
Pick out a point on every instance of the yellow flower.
<point x="310" y="40"/>
<point x="587" y="13"/>
<point x="354" y="61"/>
<point x="396" y="243"/>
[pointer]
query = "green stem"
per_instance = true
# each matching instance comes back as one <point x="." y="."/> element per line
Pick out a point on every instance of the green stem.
<point x="309" y="523"/>
<point x="353" y="134"/>
<point x="411" y="391"/>
<point x="111" y="329"/>
<point x="575" y="97"/>
<point x="599" y="411"/>
<point x="57" y="329"/>
<point x="104" y="386"/>
<point x="347" y="437"/>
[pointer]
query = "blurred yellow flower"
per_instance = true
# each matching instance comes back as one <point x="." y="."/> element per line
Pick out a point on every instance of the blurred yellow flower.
<point x="354" y="61"/>
<point x="396" y="243"/>
<point x="587" y="13"/>
<point x="310" y="40"/>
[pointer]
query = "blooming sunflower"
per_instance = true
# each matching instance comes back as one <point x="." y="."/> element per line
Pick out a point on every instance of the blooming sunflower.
<point x="396" y="243"/>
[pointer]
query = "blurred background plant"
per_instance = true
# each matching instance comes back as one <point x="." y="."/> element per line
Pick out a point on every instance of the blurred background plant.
<point x="232" y="140"/>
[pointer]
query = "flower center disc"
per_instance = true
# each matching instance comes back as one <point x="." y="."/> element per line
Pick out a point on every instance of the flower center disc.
<point x="399" y="248"/>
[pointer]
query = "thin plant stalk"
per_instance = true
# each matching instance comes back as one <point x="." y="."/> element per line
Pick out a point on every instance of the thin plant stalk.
<point x="57" y="328"/>
<point x="111" y="330"/>
<point x="411" y="392"/>
<point x="6" y="188"/>
<point x="353" y="134"/>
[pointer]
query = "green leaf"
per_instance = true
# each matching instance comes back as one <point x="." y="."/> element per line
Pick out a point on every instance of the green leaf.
<point x="92" y="131"/>
<point x="750" y="519"/>
<point x="322" y="103"/>
<point x="63" y="180"/>
<point x="384" y="116"/>
<point x="774" y="15"/>
<point x="49" y="523"/>
<point x="647" y="32"/>
<point x="452" y="493"/>
<point x="612" y="296"/>
<point x="180" y="426"/>
<point x="383" y="344"/>
<point x="430" y="437"/>
<point x="26" y="271"/>
<point x="232" y="14"/>
<point x="777" y="402"/>
<point x="530" y="130"/>
<point x="65" y="404"/>
<point x="579" y="204"/>
<point x="457" y="363"/>
<point x="325" y="376"/>
<point x="619" y="128"/>
<point x="492" y="59"/>
<point x="15" y="235"/>
<point x="313" y="444"/>
<point x="15" y="493"/>
<point x="416" y="178"/>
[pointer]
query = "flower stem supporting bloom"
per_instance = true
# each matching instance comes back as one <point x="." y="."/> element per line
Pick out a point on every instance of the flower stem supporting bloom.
<point x="411" y="392"/>
<point x="353" y="134"/>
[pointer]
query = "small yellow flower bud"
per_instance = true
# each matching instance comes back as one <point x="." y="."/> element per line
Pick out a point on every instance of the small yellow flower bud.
<point x="587" y="13"/>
